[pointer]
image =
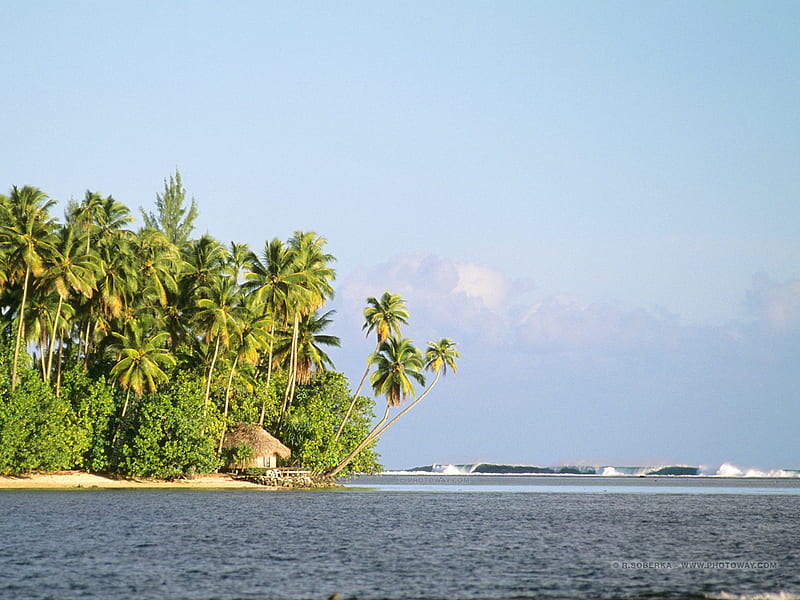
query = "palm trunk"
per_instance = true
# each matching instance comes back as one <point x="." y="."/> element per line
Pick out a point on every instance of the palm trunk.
<point x="20" y="328"/>
<point x="53" y="340"/>
<point x="227" y="400"/>
<point x="125" y="406"/>
<point x="407" y="408"/>
<point x="210" y="374"/>
<point x="292" y="375"/>
<point x="364" y="443"/>
<point x="269" y="376"/>
<point x="58" y="368"/>
<point x="86" y="349"/>
<point x="381" y="427"/>
<point x="352" y="404"/>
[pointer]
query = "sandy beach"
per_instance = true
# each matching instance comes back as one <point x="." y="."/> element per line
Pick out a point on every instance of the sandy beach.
<point x="81" y="480"/>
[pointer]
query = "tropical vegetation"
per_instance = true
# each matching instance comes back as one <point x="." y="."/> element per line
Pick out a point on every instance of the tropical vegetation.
<point x="133" y="351"/>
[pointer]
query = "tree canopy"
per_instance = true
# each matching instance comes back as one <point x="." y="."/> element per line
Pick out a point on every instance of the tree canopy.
<point x="134" y="350"/>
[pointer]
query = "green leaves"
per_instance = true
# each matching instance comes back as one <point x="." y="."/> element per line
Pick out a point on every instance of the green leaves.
<point x="141" y="359"/>
<point x="397" y="362"/>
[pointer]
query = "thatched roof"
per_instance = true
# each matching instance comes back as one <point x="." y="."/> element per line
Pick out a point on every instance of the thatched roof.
<point x="262" y="443"/>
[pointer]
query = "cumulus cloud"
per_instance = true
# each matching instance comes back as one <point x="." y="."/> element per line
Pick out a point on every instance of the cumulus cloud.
<point x="441" y="295"/>
<point x="476" y="300"/>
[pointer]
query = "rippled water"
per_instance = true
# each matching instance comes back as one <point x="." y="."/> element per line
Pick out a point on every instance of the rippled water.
<point x="371" y="544"/>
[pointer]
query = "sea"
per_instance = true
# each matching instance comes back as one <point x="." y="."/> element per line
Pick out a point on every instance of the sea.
<point x="447" y="532"/>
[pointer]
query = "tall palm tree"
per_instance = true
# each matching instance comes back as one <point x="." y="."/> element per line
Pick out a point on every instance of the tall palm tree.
<point x="159" y="262"/>
<point x="238" y="259"/>
<point x="27" y="238"/>
<point x="70" y="269"/>
<point x="252" y="336"/>
<point x="397" y="362"/>
<point x="141" y="360"/>
<point x="384" y="316"/>
<point x="311" y="358"/>
<point x="273" y="279"/>
<point x="218" y="316"/>
<point x="312" y="265"/>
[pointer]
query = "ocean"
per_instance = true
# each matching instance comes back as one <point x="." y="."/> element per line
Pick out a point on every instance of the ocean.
<point x="406" y="536"/>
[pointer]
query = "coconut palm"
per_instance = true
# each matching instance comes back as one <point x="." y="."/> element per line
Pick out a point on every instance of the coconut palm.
<point x="218" y="317"/>
<point x="159" y="261"/>
<point x="27" y="239"/>
<point x="238" y="260"/>
<point x="311" y="358"/>
<point x="439" y="357"/>
<point x="312" y="265"/>
<point x="274" y="281"/>
<point x="141" y="360"/>
<point x="384" y="316"/>
<point x="397" y="362"/>
<point x="70" y="269"/>
<point x="252" y="337"/>
<point x="117" y="287"/>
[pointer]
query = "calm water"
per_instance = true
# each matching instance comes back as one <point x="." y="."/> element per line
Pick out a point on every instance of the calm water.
<point x="389" y="542"/>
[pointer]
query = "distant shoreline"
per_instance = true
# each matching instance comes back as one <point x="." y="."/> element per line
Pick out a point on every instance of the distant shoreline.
<point x="68" y="480"/>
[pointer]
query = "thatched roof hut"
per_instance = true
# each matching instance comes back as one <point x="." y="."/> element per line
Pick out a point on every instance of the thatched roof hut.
<point x="267" y="450"/>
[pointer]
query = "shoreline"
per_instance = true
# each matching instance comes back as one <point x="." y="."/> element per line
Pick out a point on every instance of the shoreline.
<point x="73" y="480"/>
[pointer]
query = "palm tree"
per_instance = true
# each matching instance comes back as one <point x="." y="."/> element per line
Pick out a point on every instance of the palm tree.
<point x="27" y="238"/>
<point x="439" y="356"/>
<point x="117" y="286"/>
<point x="141" y="360"/>
<point x="159" y="261"/>
<point x="70" y="270"/>
<point x="238" y="259"/>
<point x="311" y="357"/>
<point x="384" y="316"/>
<point x="274" y="281"/>
<point x="397" y="362"/>
<point x="311" y="263"/>
<point x="218" y="315"/>
<point x="252" y="336"/>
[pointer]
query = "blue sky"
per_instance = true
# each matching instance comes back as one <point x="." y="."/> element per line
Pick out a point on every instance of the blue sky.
<point x="599" y="201"/>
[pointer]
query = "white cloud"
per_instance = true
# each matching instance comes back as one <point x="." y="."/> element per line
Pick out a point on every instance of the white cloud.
<point x="777" y="305"/>
<point x="490" y="286"/>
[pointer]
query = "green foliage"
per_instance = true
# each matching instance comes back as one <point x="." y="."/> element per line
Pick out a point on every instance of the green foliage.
<point x="146" y="345"/>
<point x="94" y="403"/>
<point x="311" y="425"/>
<point x="240" y="455"/>
<point x="173" y="218"/>
<point x="168" y="436"/>
<point x="38" y="430"/>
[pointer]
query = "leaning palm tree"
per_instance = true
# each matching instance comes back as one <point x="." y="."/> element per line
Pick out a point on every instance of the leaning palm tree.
<point x="439" y="357"/>
<point x="384" y="316"/>
<point x="397" y="362"/>
<point x="26" y="235"/>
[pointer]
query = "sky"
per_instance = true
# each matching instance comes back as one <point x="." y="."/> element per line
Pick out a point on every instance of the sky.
<point x="600" y="202"/>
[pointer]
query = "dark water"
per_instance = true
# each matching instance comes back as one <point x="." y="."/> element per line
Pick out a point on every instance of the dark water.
<point x="374" y="544"/>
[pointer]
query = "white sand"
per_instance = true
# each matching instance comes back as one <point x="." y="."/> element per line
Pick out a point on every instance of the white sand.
<point x="78" y="479"/>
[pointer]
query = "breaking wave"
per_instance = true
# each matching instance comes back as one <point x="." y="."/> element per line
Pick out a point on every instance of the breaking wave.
<point x="724" y="470"/>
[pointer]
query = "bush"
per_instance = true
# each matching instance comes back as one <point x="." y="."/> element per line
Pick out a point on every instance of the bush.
<point x="38" y="430"/>
<point x="167" y="436"/>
